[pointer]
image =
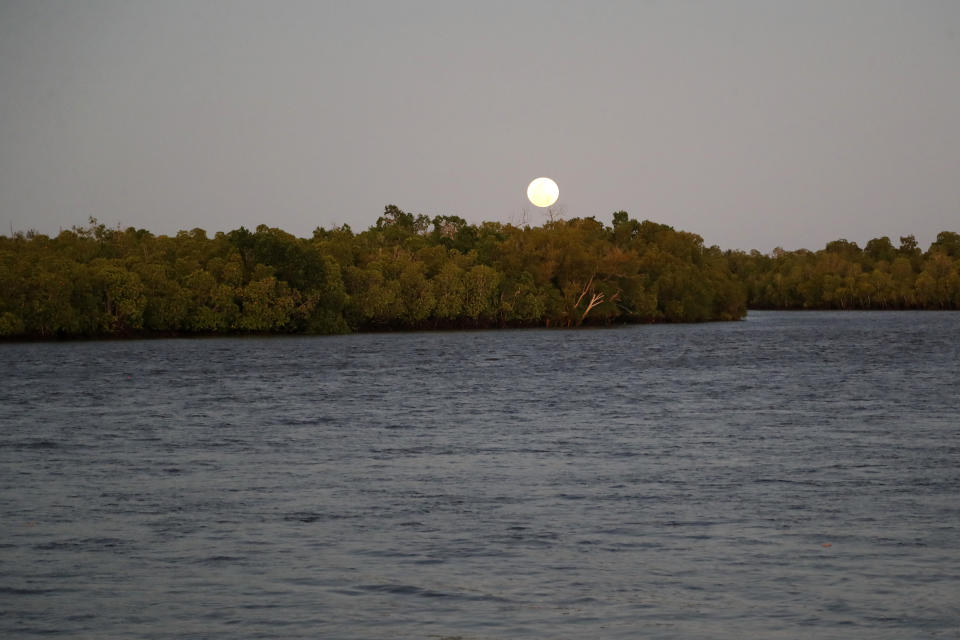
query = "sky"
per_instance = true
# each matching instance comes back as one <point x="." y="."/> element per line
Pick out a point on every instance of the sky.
<point x="753" y="123"/>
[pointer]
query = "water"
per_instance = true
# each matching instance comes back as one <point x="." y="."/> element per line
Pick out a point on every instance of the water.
<point x="795" y="475"/>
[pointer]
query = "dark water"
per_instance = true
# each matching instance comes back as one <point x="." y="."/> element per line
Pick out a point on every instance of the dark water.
<point x="795" y="475"/>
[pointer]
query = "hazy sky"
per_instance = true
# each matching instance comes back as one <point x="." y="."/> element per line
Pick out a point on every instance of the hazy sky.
<point x="753" y="123"/>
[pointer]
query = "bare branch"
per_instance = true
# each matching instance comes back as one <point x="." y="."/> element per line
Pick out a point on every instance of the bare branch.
<point x="586" y="289"/>
<point x="595" y="299"/>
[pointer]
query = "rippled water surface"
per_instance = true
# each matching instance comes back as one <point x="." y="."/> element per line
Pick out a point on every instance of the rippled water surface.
<point x="794" y="475"/>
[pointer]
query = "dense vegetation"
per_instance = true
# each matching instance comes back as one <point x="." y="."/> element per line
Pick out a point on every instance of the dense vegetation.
<point x="412" y="272"/>
<point x="844" y="276"/>
<point x="406" y="272"/>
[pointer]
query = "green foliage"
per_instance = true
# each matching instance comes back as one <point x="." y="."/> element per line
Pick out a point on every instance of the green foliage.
<point x="449" y="292"/>
<point x="842" y="276"/>
<point x="410" y="271"/>
<point x="266" y="304"/>
<point x="948" y="243"/>
<point x="480" y="286"/>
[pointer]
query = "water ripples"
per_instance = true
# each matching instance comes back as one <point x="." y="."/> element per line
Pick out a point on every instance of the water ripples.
<point x="793" y="475"/>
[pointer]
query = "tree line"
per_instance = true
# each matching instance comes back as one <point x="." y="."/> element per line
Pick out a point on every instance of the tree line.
<point x="411" y="272"/>
<point x="405" y="272"/>
<point x="844" y="276"/>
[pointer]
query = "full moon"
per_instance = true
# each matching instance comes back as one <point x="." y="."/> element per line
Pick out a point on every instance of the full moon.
<point x="543" y="192"/>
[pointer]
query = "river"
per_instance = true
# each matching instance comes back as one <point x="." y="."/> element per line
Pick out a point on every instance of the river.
<point x="793" y="475"/>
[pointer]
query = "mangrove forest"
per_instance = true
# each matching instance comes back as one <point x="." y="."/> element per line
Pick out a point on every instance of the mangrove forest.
<point x="411" y="272"/>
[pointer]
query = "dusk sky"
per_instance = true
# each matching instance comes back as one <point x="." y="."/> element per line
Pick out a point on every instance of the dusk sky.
<point x="755" y="124"/>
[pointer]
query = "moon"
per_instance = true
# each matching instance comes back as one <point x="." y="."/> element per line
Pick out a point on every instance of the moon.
<point x="543" y="192"/>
